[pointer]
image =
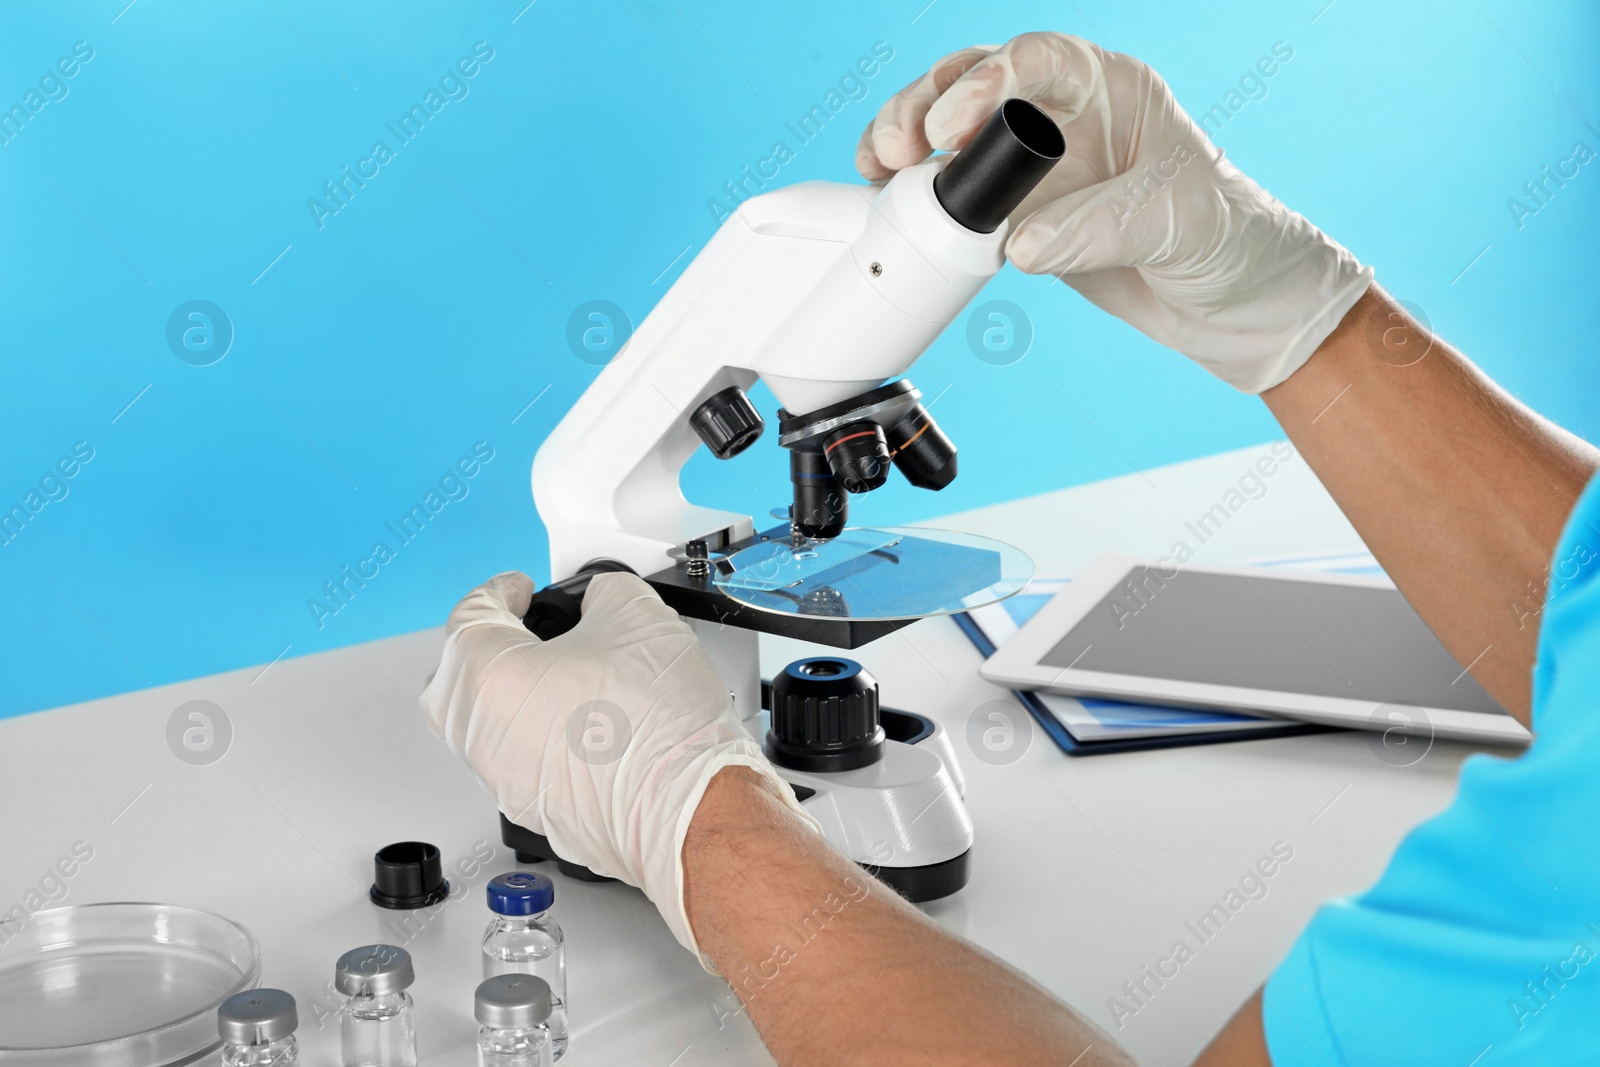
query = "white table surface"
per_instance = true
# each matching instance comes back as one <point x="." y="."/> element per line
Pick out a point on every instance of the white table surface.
<point x="1085" y="870"/>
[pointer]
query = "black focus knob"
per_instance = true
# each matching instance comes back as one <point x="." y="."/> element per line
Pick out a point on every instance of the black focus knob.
<point x="727" y="422"/>
<point x="824" y="716"/>
<point x="858" y="454"/>
<point x="557" y="607"/>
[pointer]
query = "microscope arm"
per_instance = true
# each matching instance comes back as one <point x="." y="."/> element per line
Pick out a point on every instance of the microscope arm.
<point x="785" y="291"/>
<point x="821" y="290"/>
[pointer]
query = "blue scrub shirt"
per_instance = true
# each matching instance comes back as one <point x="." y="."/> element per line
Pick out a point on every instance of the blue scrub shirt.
<point x="1480" y="944"/>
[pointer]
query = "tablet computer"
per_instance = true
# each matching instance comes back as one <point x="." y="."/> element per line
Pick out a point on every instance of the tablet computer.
<point x="1331" y="648"/>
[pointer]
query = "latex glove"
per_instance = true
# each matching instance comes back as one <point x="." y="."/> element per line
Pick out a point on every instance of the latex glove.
<point x="602" y="739"/>
<point x="1143" y="216"/>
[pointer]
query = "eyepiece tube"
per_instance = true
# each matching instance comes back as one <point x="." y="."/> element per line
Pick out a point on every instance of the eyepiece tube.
<point x="1000" y="166"/>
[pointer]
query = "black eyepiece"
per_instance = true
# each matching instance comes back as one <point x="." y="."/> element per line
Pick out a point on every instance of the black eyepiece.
<point x="1000" y="166"/>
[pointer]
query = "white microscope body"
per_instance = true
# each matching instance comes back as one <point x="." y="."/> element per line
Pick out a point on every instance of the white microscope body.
<point x="822" y="291"/>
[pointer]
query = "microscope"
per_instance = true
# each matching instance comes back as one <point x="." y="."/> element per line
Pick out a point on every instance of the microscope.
<point x="828" y="293"/>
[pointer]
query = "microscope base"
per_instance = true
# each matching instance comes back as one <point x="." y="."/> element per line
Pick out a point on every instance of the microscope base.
<point x="865" y="813"/>
<point x="535" y="848"/>
<point x="905" y="807"/>
<point x="917" y="883"/>
<point x="933" y="881"/>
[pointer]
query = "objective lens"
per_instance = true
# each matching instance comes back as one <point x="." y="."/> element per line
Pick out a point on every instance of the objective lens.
<point x="820" y="502"/>
<point x="858" y="455"/>
<point x="921" y="450"/>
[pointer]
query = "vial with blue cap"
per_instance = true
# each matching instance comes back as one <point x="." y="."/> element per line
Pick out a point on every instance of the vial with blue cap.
<point x="524" y="939"/>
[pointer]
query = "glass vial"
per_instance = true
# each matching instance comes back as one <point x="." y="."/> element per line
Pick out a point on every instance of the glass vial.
<point x="257" y="1028"/>
<point x="524" y="939"/>
<point x="513" y="1012"/>
<point x="378" y="1026"/>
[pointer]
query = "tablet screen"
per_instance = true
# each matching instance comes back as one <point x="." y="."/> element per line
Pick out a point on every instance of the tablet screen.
<point x="1278" y="634"/>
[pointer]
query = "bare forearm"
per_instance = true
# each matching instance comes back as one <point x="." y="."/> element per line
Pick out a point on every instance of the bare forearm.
<point x="834" y="968"/>
<point x="1459" y="491"/>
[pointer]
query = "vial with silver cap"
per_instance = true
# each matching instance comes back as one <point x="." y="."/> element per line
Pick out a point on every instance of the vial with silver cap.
<point x="378" y="1024"/>
<point x="257" y="1028"/>
<point x="524" y="939"/>
<point x="513" y="1030"/>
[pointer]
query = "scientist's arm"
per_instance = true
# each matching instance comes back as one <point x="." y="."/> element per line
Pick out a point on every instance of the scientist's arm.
<point x="834" y="968"/>
<point x="1459" y="491"/>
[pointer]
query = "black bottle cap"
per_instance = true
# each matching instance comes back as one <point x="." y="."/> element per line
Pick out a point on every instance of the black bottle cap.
<point x="824" y="716"/>
<point x="408" y="874"/>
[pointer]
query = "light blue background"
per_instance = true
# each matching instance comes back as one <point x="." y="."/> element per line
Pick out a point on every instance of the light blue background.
<point x="428" y="313"/>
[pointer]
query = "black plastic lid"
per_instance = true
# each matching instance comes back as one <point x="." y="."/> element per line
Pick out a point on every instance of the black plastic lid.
<point x="408" y="874"/>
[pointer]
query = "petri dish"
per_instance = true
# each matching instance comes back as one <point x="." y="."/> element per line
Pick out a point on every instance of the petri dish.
<point x="873" y="573"/>
<point x="127" y="984"/>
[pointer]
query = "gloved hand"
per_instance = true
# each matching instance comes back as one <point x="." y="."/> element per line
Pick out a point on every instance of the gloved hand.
<point x="1144" y="216"/>
<point x="602" y="739"/>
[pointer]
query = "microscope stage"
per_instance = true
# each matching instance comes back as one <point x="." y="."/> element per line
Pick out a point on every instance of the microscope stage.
<point x="847" y="591"/>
